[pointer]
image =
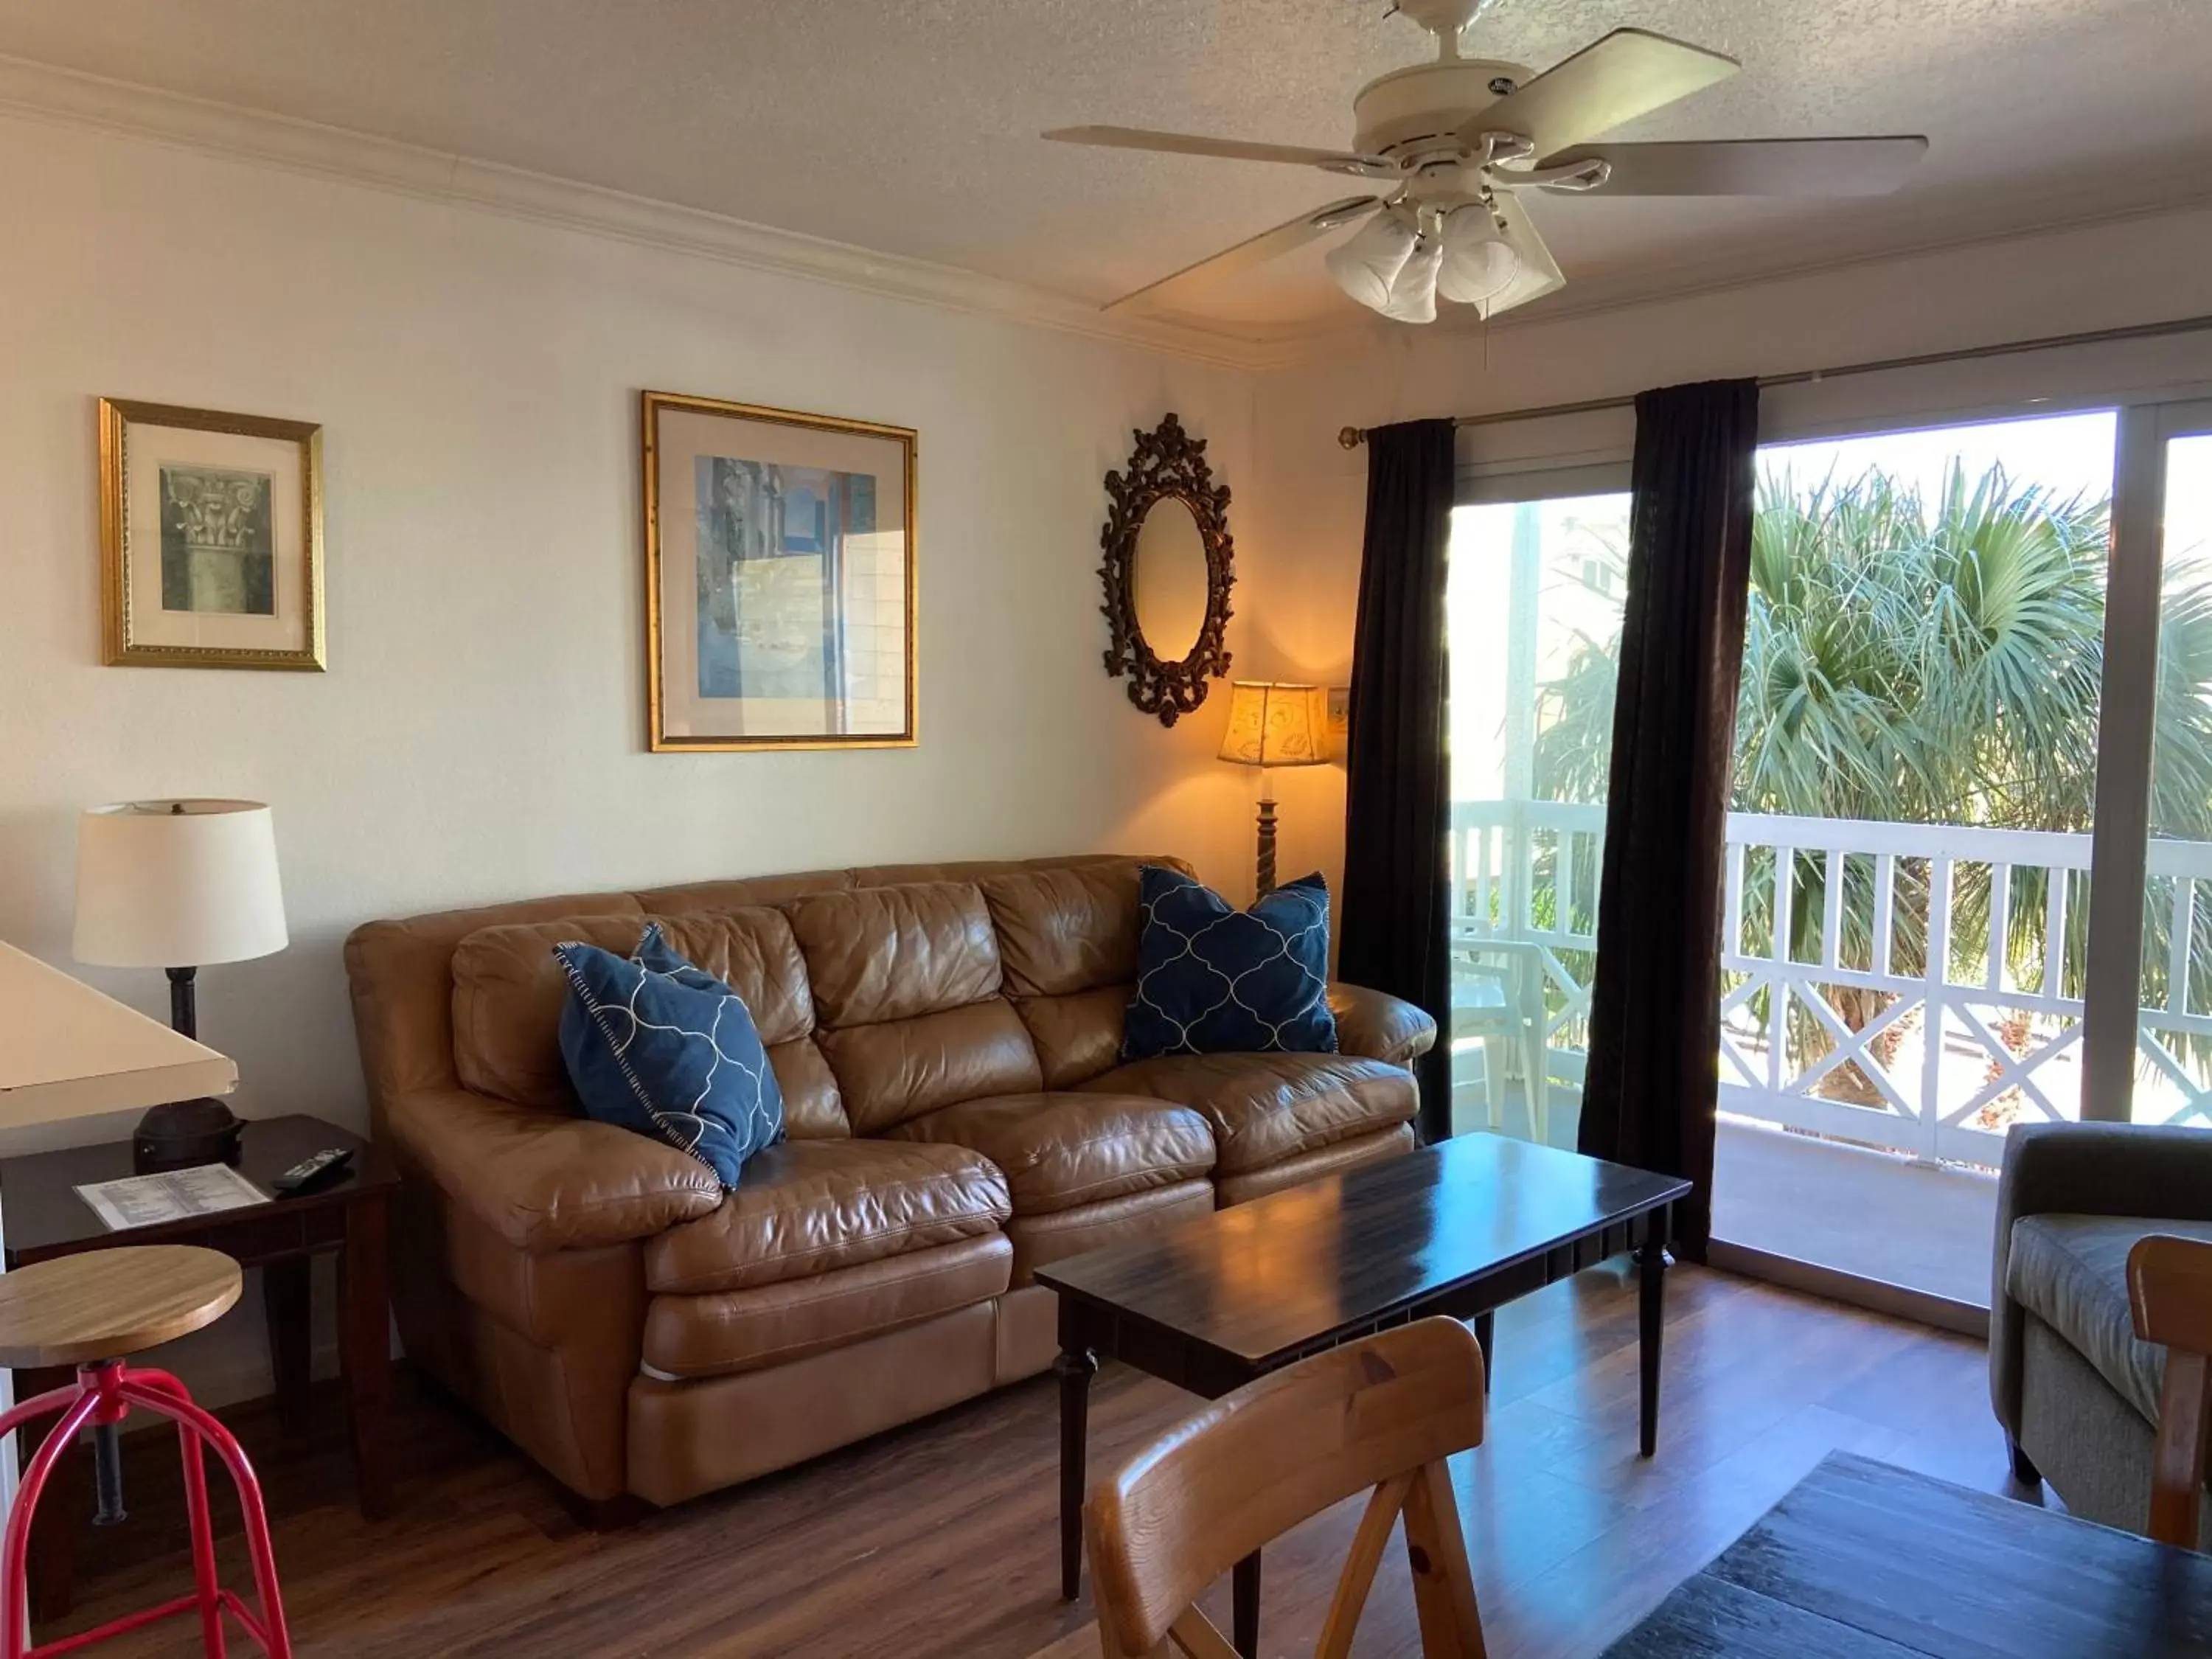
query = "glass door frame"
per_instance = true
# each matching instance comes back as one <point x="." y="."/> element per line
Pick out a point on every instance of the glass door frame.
<point x="2126" y="730"/>
<point x="1524" y="486"/>
<point x="2120" y="832"/>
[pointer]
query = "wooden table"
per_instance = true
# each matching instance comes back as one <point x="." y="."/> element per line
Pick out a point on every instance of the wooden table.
<point x="1458" y="1229"/>
<point x="1864" y="1561"/>
<point x="44" y="1219"/>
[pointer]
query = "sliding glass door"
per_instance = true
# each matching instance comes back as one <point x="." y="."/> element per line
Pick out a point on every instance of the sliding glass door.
<point x="1908" y="866"/>
<point x="1534" y="608"/>
<point x="1968" y="873"/>
<point x="2169" y="689"/>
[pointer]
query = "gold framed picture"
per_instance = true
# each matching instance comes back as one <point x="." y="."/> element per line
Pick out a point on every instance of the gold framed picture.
<point x="210" y="538"/>
<point x="779" y="578"/>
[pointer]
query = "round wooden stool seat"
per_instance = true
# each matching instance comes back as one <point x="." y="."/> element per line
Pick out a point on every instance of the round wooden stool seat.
<point x="105" y="1304"/>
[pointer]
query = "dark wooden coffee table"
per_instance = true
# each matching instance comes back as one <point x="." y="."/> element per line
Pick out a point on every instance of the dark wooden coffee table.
<point x="1458" y="1229"/>
<point x="1864" y="1561"/>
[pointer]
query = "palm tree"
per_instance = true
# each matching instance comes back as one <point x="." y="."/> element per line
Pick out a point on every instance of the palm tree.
<point x="1923" y="660"/>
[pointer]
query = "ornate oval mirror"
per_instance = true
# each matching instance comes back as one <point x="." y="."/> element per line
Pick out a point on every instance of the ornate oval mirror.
<point x="1167" y="572"/>
<point x="1168" y="580"/>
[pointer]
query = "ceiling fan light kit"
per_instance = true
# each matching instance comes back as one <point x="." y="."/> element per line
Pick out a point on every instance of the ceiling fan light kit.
<point x="1368" y="266"/>
<point x="1460" y="141"/>
<point x="1413" y="295"/>
<point x="1479" y="262"/>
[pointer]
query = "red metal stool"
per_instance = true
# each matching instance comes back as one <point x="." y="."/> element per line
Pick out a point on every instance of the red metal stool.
<point x="91" y="1311"/>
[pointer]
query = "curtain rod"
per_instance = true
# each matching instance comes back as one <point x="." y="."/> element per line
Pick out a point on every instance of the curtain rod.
<point x="1353" y="436"/>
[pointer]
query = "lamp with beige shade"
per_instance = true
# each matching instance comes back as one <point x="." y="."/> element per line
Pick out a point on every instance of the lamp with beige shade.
<point x="178" y="884"/>
<point x="1272" y="724"/>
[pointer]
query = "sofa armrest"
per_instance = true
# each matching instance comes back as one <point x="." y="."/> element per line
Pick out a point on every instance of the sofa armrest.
<point x="1375" y="1025"/>
<point x="544" y="1182"/>
<point x="2084" y="1168"/>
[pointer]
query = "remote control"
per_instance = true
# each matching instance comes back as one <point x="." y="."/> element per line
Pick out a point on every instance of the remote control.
<point x="312" y="1170"/>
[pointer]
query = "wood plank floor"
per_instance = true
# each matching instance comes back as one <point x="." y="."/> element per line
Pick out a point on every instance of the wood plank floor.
<point x="938" y="1539"/>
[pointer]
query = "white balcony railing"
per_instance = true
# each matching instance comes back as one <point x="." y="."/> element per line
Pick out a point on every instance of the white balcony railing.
<point x="1932" y="1000"/>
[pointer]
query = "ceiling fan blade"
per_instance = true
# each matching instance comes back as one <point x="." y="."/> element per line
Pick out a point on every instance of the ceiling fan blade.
<point x="1254" y="250"/>
<point x="1540" y="273"/>
<point x="1234" y="150"/>
<point x="1608" y="83"/>
<point x="1754" y="166"/>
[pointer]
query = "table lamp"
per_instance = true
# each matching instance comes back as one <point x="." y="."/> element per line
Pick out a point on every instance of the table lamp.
<point x="178" y="884"/>
<point x="1272" y="723"/>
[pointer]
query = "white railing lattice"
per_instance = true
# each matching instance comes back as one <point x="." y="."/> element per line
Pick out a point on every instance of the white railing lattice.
<point x="1936" y="1000"/>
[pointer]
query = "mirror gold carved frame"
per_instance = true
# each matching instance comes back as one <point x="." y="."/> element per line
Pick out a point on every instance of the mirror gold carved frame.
<point x="1165" y="462"/>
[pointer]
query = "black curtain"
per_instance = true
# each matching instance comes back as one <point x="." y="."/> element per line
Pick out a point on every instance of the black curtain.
<point x="1652" y="1081"/>
<point x="1397" y="814"/>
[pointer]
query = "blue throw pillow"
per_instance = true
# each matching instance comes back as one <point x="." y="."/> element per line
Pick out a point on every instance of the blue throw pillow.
<point x="655" y="952"/>
<point x="665" y="1048"/>
<point x="1213" y="979"/>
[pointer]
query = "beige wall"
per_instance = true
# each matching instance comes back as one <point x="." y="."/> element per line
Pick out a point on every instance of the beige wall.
<point x="479" y="734"/>
<point x="1302" y="525"/>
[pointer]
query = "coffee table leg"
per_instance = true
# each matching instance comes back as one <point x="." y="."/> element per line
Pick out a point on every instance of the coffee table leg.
<point x="1244" y="1605"/>
<point x="1651" y="1266"/>
<point x="1076" y="1367"/>
<point x="1485" y="1335"/>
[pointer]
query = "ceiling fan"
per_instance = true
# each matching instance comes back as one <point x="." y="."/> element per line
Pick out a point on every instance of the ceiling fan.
<point x="1455" y="142"/>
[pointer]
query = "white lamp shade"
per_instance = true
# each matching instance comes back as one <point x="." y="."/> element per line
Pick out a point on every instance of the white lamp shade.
<point x="1413" y="292"/>
<point x="1479" y="262"/>
<point x="177" y="884"/>
<point x="1365" y="265"/>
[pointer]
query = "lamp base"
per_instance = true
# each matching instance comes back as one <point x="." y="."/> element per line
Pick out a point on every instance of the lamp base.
<point x="1264" y="869"/>
<point x="180" y="1133"/>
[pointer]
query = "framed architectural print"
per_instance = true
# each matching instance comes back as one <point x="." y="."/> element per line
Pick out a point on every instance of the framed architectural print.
<point x="210" y="538"/>
<point x="778" y="567"/>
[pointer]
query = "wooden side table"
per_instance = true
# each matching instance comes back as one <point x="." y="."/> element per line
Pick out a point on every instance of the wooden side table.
<point x="43" y="1218"/>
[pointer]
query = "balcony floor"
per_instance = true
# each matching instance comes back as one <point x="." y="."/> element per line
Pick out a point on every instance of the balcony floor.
<point x="1872" y="1214"/>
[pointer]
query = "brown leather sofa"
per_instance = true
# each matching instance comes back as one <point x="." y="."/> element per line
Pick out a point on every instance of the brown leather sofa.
<point x="947" y="1038"/>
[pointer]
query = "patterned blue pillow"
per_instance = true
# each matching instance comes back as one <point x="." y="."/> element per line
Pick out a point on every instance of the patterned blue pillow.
<point x="1213" y="979"/>
<point x="665" y="1048"/>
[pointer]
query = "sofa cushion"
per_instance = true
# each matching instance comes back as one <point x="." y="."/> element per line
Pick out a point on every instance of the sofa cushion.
<point x="509" y="991"/>
<point x="1213" y="979"/>
<point x="901" y="1068"/>
<point x="808" y="1206"/>
<point x="660" y="1047"/>
<point x="884" y="953"/>
<point x="725" y="1332"/>
<point x="2071" y="1271"/>
<point x="1077" y="1035"/>
<point x="1040" y="1240"/>
<point x="906" y="988"/>
<point x="1059" y="1150"/>
<point x="1266" y="1108"/>
<point x="1066" y="930"/>
<point x="1068" y="939"/>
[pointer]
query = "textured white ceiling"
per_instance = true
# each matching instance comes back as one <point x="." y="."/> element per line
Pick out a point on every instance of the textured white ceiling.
<point x="909" y="126"/>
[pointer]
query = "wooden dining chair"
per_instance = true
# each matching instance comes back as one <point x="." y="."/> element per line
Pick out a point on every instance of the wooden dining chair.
<point x="2170" y="1296"/>
<point x="1381" y="1413"/>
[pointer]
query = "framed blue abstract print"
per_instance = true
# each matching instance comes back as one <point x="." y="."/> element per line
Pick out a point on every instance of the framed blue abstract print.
<point x="780" y="597"/>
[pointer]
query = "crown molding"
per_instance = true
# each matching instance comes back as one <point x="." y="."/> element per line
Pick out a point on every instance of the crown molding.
<point x="44" y="92"/>
<point x="41" y="92"/>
